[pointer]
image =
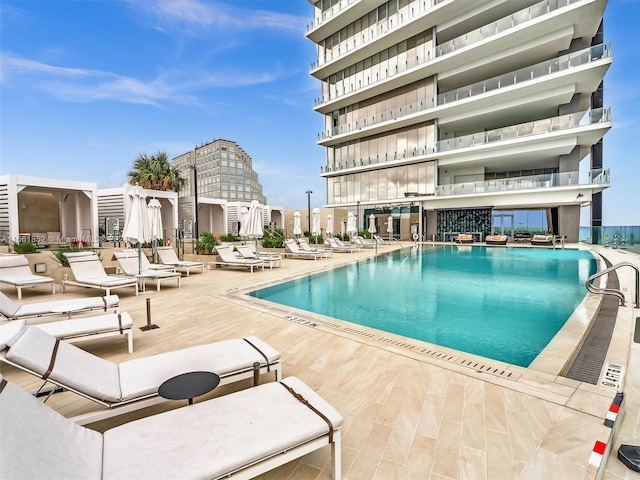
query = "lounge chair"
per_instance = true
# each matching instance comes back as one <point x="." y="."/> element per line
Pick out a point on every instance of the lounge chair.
<point x="133" y="384"/>
<point x="496" y="239"/>
<point x="270" y="260"/>
<point x="15" y="270"/>
<point x="337" y="245"/>
<point x="14" y="311"/>
<point x="379" y="239"/>
<point x="542" y="240"/>
<point x="86" y="328"/>
<point x="88" y="272"/>
<point x="240" y="435"/>
<point x="326" y="252"/>
<point x="293" y="250"/>
<point x="167" y="256"/>
<point x="361" y="242"/>
<point x="130" y="262"/>
<point x="229" y="259"/>
<point x="464" y="238"/>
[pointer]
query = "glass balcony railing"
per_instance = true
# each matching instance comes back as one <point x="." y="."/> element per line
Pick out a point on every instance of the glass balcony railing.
<point x="329" y="13"/>
<point x="529" y="14"/>
<point x="522" y="130"/>
<point x="619" y="237"/>
<point x="533" y="72"/>
<point x="531" y="182"/>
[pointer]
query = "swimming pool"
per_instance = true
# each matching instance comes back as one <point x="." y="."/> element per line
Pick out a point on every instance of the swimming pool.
<point x="500" y="303"/>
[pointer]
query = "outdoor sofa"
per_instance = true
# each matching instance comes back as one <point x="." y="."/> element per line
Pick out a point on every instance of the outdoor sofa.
<point x="496" y="239"/>
<point x="238" y="436"/>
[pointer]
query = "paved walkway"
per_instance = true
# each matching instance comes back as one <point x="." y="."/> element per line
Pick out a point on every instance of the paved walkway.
<point x="412" y="410"/>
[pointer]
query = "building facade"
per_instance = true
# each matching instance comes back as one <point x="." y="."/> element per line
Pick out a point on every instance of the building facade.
<point x="220" y="169"/>
<point x="457" y="116"/>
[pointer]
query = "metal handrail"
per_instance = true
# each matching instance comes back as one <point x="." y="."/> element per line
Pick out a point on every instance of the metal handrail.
<point x="614" y="291"/>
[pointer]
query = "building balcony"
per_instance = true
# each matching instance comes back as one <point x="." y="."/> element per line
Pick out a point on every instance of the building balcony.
<point x="599" y="178"/>
<point x="555" y="135"/>
<point x="552" y="20"/>
<point x="565" y="70"/>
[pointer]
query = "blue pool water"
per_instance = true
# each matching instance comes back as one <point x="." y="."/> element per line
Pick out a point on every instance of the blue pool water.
<point x="500" y="303"/>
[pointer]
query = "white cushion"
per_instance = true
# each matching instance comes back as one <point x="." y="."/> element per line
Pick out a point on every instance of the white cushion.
<point x="211" y="438"/>
<point x="38" y="442"/>
<point x="10" y="332"/>
<point x="142" y="376"/>
<point x="86" y="325"/>
<point x="73" y="367"/>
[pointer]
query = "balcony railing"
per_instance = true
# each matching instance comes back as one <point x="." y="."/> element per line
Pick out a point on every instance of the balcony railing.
<point x="531" y="182"/>
<point x="329" y="13"/>
<point x="535" y="11"/>
<point x="538" y="127"/>
<point x="516" y="77"/>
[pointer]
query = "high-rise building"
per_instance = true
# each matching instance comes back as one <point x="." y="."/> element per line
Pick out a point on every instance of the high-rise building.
<point x="222" y="170"/>
<point x="460" y="116"/>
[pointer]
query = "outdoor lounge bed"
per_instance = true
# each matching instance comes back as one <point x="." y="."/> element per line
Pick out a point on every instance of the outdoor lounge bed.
<point x="496" y="239"/>
<point x="326" y="252"/>
<point x="293" y="250"/>
<point x="167" y="256"/>
<point x="542" y="240"/>
<point x="15" y="270"/>
<point x="84" y="328"/>
<point x="360" y="241"/>
<point x="13" y="311"/>
<point x="246" y="253"/>
<point x="130" y="262"/>
<point x="229" y="259"/>
<point x="464" y="238"/>
<point x="88" y="272"/>
<point x="337" y="245"/>
<point x="133" y="384"/>
<point x="239" y="436"/>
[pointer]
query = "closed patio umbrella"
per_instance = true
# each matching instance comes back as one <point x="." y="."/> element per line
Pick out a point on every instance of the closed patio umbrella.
<point x="136" y="225"/>
<point x="244" y="221"/>
<point x="155" y="223"/>
<point x="352" y="228"/>
<point x="329" y="229"/>
<point x="255" y="223"/>
<point x="390" y="226"/>
<point x="372" y="224"/>
<point x="297" y="229"/>
<point x="315" y="223"/>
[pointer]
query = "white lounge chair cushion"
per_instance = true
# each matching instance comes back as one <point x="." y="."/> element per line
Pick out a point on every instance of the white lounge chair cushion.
<point x="11" y="309"/>
<point x="87" y="325"/>
<point x="105" y="280"/>
<point x="209" y="439"/>
<point x="142" y="376"/>
<point x="38" y="442"/>
<point x="15" y="270"/>
<point x="73" y="367"/>
<point x="10" y="332"/>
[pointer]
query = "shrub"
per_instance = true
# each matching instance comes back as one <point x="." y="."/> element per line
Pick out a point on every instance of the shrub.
<point x="58" y="253"/>
<point x="229" y="238"/>
<point x="273" y="238"/>
<point x="206" y="243"/>
<point x="25" y="247"/>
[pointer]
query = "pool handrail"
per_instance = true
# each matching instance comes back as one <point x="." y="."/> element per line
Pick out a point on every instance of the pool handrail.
<point x="614" y="291"/>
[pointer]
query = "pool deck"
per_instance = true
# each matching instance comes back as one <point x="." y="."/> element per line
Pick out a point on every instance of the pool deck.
<point x="412" y="410"/>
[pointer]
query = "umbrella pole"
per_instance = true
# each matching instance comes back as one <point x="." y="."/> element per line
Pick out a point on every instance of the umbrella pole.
<point x="149" y="325"/>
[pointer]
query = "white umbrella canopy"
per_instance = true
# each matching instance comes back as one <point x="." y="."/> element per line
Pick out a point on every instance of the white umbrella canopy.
<point x="244" y="221"/>
<point x="329" y="229"/>
<point x="255" y="216"/>
<point x="390" y="226"/>
<point x="372" y="224"/>
<point x="297" y="229"/>
<point x="315" y="222"/>
<point x="155" y="219"/>
<point x="136" y="225"/>
<point x="352" y="228"/>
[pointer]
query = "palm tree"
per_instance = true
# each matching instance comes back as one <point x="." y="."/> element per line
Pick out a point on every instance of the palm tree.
<point x="156" y="173"/>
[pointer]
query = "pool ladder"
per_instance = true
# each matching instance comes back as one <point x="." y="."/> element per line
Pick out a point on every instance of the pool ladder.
<point x="614" y="291"/>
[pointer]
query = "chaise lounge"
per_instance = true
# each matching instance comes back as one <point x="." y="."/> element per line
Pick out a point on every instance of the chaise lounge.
<point x="15" y="270"/>
<point x="133" y="384"/>
<point x="88" y="272"/>
<point x="246" y="253"/>
<point x="293" y="250"/>
<point x="130" y="261"/>
<point x="240" y="436"/>
<point x="13" y="311"/>
<point x="85" y="328"/>
<point x="229" y="259"/>
<point x="167" y="256"/>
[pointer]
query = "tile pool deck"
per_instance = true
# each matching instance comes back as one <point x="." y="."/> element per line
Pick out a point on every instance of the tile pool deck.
<point x="412" y="410"/>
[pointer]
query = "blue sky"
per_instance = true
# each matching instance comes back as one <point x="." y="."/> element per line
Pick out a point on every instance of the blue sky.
<point x="88" y="85"/>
